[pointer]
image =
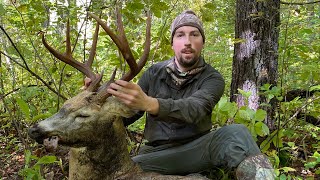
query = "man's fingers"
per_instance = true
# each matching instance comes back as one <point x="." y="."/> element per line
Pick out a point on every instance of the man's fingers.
<point x="116" y="87"/>
<point x="126" y="98"/>
<point x="126" y="84"/>
<point x="126" y="87"/>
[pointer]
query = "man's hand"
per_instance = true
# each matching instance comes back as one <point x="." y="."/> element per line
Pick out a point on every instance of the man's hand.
<point x="132" y="95"/>
<point x="87" y="81"/>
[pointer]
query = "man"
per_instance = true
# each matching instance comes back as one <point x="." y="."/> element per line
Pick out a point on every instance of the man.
<point x="178" y="96"/>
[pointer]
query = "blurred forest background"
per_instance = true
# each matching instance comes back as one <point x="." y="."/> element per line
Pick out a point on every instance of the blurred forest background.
<point x="34" y="84"/>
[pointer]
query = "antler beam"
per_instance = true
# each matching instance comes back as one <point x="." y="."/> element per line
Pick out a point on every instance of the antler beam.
<point x="66" y="57"/>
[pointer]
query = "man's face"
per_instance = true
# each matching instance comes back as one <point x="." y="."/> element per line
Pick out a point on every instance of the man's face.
<point x="187" y="45"/>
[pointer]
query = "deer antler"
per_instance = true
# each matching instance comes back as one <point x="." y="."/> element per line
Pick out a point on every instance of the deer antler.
<point x="121" y="42"/>
<point x="67" y="57"/>
<point x="123" y="45"/>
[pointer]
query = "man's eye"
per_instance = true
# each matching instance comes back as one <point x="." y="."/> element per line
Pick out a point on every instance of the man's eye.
<point x="195" y="34"/>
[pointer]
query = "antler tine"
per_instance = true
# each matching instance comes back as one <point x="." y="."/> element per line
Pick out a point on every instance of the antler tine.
<point x="128" y="56"/>
<point x="67" y="57"/>
<point x="142" y="61"/>
<point x="93" y="47"/>
<point x="121" y="42"/>
<point x="68" y="40"/>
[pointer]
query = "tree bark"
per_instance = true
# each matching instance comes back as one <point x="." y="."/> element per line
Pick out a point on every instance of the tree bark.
<point x="256" y="54"/>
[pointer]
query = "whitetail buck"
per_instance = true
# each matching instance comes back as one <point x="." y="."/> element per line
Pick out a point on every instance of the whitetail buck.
<point x="91" y="122"/>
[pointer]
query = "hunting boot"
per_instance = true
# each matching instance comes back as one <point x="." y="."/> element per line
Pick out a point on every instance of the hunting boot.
<point x="257" y="167"/>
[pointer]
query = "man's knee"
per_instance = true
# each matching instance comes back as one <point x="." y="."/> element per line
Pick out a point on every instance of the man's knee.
<point x="236" y="129"/>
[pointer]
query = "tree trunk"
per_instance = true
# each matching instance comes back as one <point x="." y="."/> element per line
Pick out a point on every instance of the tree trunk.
<point x="256" y="53"/>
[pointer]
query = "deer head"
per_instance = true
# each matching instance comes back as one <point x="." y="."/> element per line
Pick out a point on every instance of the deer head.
<point x="81" y="118"/>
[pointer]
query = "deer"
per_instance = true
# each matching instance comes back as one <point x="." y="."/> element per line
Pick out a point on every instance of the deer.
<point x="91" y="123"/>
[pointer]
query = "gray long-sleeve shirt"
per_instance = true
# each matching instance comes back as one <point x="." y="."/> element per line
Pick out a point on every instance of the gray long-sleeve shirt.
<point x="184" y="112"/>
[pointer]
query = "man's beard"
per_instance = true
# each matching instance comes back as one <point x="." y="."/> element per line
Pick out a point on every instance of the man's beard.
<point x="187" y="63"/>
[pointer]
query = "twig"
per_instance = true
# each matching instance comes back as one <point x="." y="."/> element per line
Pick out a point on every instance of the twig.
<point x="291" y="118"/>
<point x="2" y="96"/>
<point x="304" y="3"/>
<point x="35" y="75"/>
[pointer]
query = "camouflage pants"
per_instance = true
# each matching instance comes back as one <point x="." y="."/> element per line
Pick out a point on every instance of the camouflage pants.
<point x="227" y="147"/>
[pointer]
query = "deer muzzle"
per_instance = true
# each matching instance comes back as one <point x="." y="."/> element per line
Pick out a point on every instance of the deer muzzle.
<point x="36" y="134"/>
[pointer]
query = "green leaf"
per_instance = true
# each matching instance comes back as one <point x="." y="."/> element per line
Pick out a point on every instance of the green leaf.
<point x="47" y="160"/>
<point x="2" y="10"/>
<point x="23" y="8"/>
<point x="210" y="6"/>
<point x="53" y="69"/>
<point x="36" y="6"/>
<point x="307" y="31"/>
<point x="265" y="87"/>
<point x="244" y="93"/>
<point x="134" y="6"/>
<point x="270" y="96"/>
<point x="317" y="87"/>
<point x="261" y="129"/>
<point x="162" y="6"/>
<point x="277" y="139"/>
<point x="27" y="157"/>
<point x="316" y="154"/>
<point x="243" y="114"/>
<point x="222" y="103"/>
<point x="232" y="109"/>
<point x="291" y="144"/>
<point x="260" y="115"/>
<point x="42" y="116"/>
<point x="251" y="113"/>
<point x="283" y="177"/>
<point x="157" y="7"/>
<point x="28" y="173"/>
<point x="24" y="107"/>
<point x="265" y="145"/>
<point x="311" y="164"/>
<point x="288" y="169"/>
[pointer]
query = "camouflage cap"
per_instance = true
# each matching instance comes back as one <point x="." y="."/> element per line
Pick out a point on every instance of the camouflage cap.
<point x="187" y="18"/>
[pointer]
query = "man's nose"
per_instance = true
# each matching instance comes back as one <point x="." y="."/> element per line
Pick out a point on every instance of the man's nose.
<point x="187" y="41"/>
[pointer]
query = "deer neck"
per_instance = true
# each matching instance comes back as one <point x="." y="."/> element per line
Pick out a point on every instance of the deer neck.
<point x="107" y="160"/>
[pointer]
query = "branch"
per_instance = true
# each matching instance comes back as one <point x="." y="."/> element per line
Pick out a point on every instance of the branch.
<point x="15" y="47"/>
<point x="2" y="96"/>
<point x="293" y="3"/>
<point x="35" y="75"/>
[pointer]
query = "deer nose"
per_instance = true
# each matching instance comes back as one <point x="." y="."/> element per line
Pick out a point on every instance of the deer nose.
<point x="36" y="134"/>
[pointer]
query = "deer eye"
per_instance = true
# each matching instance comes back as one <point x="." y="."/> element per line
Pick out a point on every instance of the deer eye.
<point x="81" y="116"/>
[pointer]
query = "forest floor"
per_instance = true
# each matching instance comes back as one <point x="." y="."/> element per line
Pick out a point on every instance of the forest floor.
<point x="13" y="158"/>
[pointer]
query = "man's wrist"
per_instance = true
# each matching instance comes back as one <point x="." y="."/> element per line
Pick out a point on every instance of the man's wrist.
<point x="152" y="106"/>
